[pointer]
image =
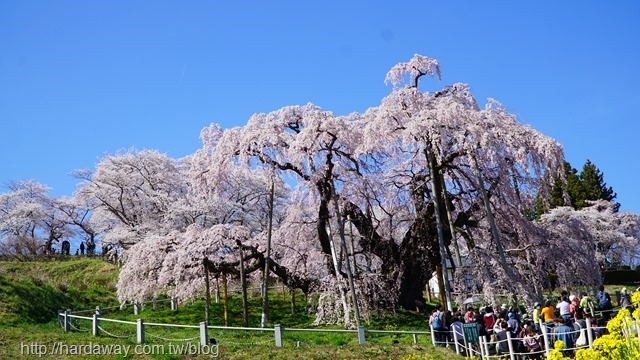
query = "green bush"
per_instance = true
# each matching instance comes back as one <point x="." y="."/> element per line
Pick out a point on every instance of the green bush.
<point x="622" y="277"/>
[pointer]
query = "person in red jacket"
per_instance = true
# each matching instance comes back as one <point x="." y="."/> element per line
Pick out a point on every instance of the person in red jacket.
<point x="490" y="319"/>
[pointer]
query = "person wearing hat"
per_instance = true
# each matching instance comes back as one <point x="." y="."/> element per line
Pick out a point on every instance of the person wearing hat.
<point x="504" y="310"/>
<point x="514" y="324"/>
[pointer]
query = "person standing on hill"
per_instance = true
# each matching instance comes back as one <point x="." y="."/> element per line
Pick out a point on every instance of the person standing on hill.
<point x="470" y="315"/>
<point x="586" y="302"/>
<point x="564" y="307"/>
<point x="437" y="324"/>
<point x="565" y="333"/>
<point x="548" y="314"/>
<point x="604" y="303"/>
<point x="536" y="315"/>
<point x="489" y="319"/>
<point x="625" y="299"/>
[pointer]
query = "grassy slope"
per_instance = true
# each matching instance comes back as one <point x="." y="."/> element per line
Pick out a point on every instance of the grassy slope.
<point x="31" y="293"/>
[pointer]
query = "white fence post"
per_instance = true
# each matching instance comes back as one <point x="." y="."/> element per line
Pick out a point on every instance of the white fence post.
<point x="487" y="344"/>
<point x="455" y="340"/>
<point x="590" y="333"/>
<point x="173" y="303"/>
<point x="140" y="331"/>
<point x="415" y="338"/>
<point x="278" y="335"/>
<point x="545" y="336"/>
<point x="361" y="338"/>
<point x="433" y="335"/>
<point x="204" y="336"/>
<point x="512" y="355"/>
<point x="96" y="323"/>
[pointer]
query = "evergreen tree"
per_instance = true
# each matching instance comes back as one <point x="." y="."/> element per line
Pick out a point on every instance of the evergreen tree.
<point x="588" y="185"/>
<point x="557" y="193"/>
<point x="574" y="187"/>
<point x="593" y="185"/>
<point x="557" y="197"/>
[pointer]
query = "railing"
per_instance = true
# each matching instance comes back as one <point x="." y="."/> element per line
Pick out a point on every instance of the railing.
<point x="66" y="320"/>
<point x="481" y="347"/>
<point x="484" y="348"/>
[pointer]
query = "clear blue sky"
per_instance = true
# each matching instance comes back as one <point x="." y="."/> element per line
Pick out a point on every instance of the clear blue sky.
<point x="79" y="79"/>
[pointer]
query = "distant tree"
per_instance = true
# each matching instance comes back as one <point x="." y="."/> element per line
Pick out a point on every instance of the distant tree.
<point x="558" y="197"/>
<point x="581" y="188"/>
<point x="574" y="186"/>
<point x="30" y="221"/>
<point x="77" y="212"/>
<point x="131" y="194"/>
<point x="596" y="232"/>
<point x="594" y="187"/>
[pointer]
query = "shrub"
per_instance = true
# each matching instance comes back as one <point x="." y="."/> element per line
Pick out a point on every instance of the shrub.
<point x="620" y="344"/>
<point x="626" y="277"/>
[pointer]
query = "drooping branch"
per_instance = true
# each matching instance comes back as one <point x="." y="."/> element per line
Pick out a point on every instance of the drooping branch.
<point x="256" y="260"/>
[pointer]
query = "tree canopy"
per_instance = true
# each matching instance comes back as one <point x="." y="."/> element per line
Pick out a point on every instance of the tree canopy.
<point x="421" y="180"/>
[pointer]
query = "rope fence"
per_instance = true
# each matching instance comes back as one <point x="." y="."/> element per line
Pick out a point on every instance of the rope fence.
<point x="67" y="320"/>
<point x="464" y="344"/>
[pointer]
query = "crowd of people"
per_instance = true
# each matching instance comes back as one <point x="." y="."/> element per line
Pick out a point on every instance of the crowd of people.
<point x="565" y="319"/>
<point x="109" y="252"/>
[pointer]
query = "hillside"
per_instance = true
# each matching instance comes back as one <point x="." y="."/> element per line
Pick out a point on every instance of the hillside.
<point x="31" y="293"/>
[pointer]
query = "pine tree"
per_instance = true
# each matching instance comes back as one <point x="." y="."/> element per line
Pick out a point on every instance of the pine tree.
<point x="593" y="185"/>
<point x="574" y="186"/>
<point x="557" y="197"/>
<point x="557" y="193"/>
<point x="588" y="185"/>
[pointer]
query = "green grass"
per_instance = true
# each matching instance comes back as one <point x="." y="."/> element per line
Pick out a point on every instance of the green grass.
<point x="31" y="293"/>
